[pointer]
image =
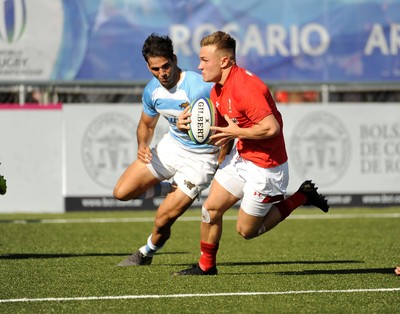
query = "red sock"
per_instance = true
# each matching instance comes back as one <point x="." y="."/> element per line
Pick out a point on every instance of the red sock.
<point x="288" y="205"/>
<point x="208" y="258"/>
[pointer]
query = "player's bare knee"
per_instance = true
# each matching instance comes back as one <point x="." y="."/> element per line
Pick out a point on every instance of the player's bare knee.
<point x="122" y="194"/>
<point x="246" y="233"/>
<point x="209" y="216"/>
<point x="205" y="215"/>
<point x="117" y="194"/>
<point x="247" y="236"/>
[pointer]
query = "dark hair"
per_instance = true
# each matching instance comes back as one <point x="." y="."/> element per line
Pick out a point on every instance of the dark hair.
<point x="158" y="46"/>
<point x="222" y="41"/>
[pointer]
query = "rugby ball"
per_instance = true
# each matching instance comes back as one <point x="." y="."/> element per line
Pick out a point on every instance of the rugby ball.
<point x="204" y="115"/>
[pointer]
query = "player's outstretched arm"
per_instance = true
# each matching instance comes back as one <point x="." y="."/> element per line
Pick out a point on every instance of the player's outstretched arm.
<point x="144" y="134"/>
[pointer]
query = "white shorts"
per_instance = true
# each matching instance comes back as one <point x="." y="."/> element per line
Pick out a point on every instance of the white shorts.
<point x="192" y="172"/>
<point x="258" y="187"/>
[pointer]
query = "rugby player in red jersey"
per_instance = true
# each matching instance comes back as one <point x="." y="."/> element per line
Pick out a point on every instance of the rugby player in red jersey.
<point x="256" y="170"/>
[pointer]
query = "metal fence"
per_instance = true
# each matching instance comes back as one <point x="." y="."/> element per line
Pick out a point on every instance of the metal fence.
<point x="87" y="92"/>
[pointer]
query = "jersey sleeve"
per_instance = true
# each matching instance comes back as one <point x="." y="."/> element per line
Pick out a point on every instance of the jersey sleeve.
<point x="147" y="100"/>
<point x="255" y="103"/>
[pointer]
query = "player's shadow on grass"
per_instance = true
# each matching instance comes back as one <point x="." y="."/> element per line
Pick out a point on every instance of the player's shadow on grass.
<point x="288" y="262"/>
<point x="316" y="272"/>
<point x="19" y="256"/>
<point x="338" y="271"/>
<point x="278" y="263"/>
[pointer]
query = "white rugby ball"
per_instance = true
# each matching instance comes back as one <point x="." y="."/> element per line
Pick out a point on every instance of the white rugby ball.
<point x="204" y="115"/>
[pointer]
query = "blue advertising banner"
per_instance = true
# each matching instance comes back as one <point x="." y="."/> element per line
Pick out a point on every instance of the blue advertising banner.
<point x="318" y="41"/>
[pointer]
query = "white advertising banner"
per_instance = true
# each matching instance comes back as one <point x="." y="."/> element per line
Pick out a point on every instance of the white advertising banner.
<point x="68" y="158"/>
<point x="351" y="151"/>
<point x="100" y="143"/>
<point x="31" y="158"/>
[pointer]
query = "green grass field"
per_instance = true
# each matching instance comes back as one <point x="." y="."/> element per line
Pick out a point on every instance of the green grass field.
<point x="340" y="262"/>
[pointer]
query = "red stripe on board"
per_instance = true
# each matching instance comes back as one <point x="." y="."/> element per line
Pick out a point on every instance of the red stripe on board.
<point x="31" y="107"/>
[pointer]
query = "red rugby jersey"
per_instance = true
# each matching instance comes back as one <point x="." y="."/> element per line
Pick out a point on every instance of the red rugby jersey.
<point x="247" y="100"/>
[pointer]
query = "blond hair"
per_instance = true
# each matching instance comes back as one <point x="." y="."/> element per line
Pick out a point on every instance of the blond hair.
<point x="223" y="42"/>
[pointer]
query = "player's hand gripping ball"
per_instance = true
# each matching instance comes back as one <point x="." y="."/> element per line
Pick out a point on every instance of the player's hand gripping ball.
<point x="204" y="115"/>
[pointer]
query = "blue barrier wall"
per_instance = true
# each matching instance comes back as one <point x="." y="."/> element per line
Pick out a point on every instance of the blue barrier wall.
<point x="317" y="41"/>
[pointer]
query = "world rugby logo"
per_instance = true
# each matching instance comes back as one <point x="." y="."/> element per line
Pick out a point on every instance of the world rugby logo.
<point x="320" y="148"/>
<point x="12" y="20"/>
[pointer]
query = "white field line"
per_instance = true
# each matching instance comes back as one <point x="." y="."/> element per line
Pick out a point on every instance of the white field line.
<point x="222" y="294"/>
<point x="151" y="219"/>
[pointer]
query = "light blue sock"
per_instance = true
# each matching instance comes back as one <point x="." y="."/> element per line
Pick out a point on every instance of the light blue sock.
<point x="149" y="249"/>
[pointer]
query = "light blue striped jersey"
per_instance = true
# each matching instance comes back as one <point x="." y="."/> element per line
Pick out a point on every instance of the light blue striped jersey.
<point x="170" y="103"/>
